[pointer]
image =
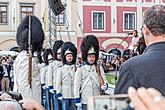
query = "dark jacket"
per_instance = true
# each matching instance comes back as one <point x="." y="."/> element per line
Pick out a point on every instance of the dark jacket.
<point x="1" y="72"/>
<point x="8" y="67"/>
<point x="141" y="45"/>
<point x="146" y="70"/>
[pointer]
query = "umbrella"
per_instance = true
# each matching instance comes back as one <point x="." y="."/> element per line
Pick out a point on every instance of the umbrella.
<point x="6" y="53"/>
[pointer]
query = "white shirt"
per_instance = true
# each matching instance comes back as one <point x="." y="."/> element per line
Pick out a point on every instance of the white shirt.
<point x="5" y="70"/>
<point x="135" y="41"/>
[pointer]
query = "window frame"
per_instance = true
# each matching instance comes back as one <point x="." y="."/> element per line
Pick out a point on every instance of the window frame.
<point x="128" y="12"/>
<point x="26" y="5"/>
<point x="104" y="20"/>
<point x="7" y="13"/>
<point x="64" y="19"/>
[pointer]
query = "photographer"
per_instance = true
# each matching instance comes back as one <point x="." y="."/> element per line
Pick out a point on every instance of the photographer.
<point x="146" y="99"/>
<point x="7" y="103"/>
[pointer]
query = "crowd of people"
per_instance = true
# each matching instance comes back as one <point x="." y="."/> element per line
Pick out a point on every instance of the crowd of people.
<point x="60" y="80"/>
<point x="147" y="70"/>
<point x="6" y="73"/>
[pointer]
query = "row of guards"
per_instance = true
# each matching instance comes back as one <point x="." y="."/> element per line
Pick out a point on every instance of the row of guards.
<point x="66" y="85"/>
<point x="50" y="97"/>
<point x="87" y="79"/>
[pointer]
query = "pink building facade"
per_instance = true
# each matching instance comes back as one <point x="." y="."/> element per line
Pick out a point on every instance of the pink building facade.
<point x="112" y="20"/>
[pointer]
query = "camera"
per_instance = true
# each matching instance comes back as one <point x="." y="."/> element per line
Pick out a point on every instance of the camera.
<point x="15" y="95"/>
<point x="116" y="102"/>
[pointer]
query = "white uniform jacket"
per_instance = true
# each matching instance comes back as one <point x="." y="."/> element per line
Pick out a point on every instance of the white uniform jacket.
<point x="86" y="82"/>
<point x="65" y="80"/>
<point x="21" y="72"/>
<point x="52" y="70"/>
<point x="45" y="75"/>
<point x="42" y="73"/>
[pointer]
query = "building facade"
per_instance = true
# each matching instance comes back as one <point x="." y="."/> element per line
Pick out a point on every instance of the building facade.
<point x="13" y="11"/>
<point x="112" y="20"/>
<point x="109" y="20"/>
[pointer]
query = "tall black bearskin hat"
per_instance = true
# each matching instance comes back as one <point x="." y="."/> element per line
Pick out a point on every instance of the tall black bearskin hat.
<point x="67" y="48"/>
<point x="48" y="55"/>
<point x="37" y="34"/>
<point x="56" y="48"/>
<point x="90" y="45"/>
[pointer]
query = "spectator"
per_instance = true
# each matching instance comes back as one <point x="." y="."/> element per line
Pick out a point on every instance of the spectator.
<point x="7" y="103"/>
<point x="147" y="70"/>
<point x="146" y="99"/>
<point x="141" y="45"/>
<point x="134" y="43"/>
<point x="10" y="105"/>
<point x="1" y="70"/>
<point x="5" y="82"/>
<point x="29" y="104"/>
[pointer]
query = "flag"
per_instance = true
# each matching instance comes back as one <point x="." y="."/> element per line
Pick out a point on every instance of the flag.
<point x="44" y="19"/>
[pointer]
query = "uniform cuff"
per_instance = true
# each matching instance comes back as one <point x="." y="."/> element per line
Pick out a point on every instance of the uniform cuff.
<point x="42" y="84"/>
<point x="59" y="95"/>
<point x="77" y="100"/>
<point x="50" y="87"/>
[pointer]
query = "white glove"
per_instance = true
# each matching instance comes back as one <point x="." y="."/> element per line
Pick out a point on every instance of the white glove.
<point x="79" y="106"/>
<point x="104" y="86"/>
<point x="60" y="98"/>
<point x="51" y="91"/>
<point x="110" y="91"/>
<point x="44" y="87"/>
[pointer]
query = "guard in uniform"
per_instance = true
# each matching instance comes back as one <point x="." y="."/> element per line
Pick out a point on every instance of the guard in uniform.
<point x="21" y="64"/>
<point x="65" y="76"/>
<point x="52" y="73"/>
<point x="47" y="58"/>
<point x="89" y="78"/>
<point x="41" y="66"/>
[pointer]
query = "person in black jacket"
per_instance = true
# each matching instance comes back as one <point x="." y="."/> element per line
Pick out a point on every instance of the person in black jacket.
<point x="141" y="45"/>
<point x="1" y="71"/>
<point x="5" y="82"/>
<point x="1" y="74"/>
<point x="147" y="70"/>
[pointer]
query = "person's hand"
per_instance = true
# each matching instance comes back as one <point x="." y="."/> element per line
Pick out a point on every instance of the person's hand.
<point x="109" y="91"/>
<point x="52" y="91"/>
<point x="30" y="104"/>
<point x="79" y="106"/>
<point x="5" y="96"/>
<point x="44" y="87"/>
<point x="60" y="98"/>
<point x="104" y="87"/>
<point x="146" y="99"/>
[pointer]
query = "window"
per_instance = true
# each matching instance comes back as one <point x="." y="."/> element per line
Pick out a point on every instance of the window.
<point x="26" y="10"/>
<point x="60" y="19"/>
<point x="98" y="20"/>
<point x="3" y="14"/>
<point x="129" y="21"/>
